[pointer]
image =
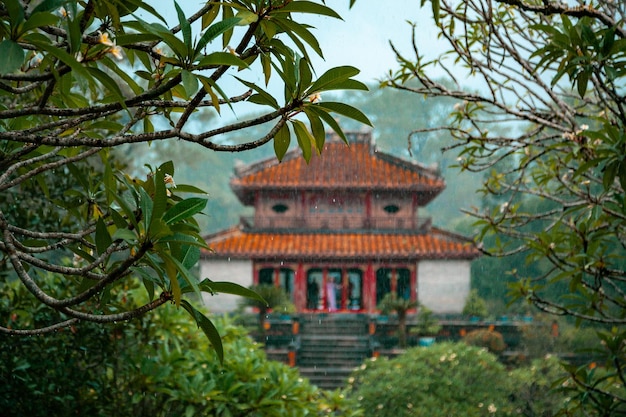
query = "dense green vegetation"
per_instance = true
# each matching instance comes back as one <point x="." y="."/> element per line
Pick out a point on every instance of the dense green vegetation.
<point x="454" y="379"/>
<point x="161" y="367"/>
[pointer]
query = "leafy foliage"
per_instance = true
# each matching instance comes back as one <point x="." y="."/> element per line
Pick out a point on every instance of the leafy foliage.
<point x="161" y="367"/>
<point x="474" y="305"/>
<point x="553" y="74"/>
<point x="81" y="79"/>
<point x="401" y="306"/>
<point x="274" y="298"/>
<point x="485" y="338"/>
<point x="448" y="379"/>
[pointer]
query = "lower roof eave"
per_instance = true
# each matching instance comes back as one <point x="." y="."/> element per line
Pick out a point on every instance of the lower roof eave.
<point x="335" y="259"/>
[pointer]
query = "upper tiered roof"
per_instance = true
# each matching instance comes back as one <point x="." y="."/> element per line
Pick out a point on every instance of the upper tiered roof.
<point x="357" y="166"/>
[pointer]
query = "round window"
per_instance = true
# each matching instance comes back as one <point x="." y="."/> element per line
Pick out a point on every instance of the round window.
<point x="280" y="208"/>
<point x="391" y="209"/>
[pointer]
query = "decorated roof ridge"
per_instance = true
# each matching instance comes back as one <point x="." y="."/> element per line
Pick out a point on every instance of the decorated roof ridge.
<point x="224" y="233"/>
<point x="451" y="235"/>
<point x="427" y="171"/>
<point x="294" y="153"/>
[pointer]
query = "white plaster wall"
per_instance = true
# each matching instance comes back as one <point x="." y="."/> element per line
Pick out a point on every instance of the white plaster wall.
<point x="443" y="285"/>
<point x="237" y="271"/>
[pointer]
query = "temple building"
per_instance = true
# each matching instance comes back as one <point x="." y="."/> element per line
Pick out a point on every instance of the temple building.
<point x="340" y="232"/>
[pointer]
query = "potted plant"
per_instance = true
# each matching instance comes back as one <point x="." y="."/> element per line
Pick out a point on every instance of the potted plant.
<point x="392" y="303"/>
<point x="427" y="326"/>
<point x="274" y="297"/>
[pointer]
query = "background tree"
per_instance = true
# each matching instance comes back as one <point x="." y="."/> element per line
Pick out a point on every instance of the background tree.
<point x="79" y="79"/>
<point x="553" y="73"/>
<point x="391" y="303"/>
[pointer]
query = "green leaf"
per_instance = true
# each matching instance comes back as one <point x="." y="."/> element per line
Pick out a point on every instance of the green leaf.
<point x="131" y="38"/>
<point x="185" y="239"/>
<point x="622" y="174"/>
<point x="225" y="287"/>
<point x="190" y="255"/>
<point x="15" y="11"/>
<point x="12" y="56"/>
<point x="171" y="270"/>
<point x="581" y="83"/>
<point x="184" y="188"/>
<point x="317" y="129"/>
<point x="208" y="328"/>
<point x="185" y="27"/>
<point x="267" y="97"/>
<point x="328" y="119"/>
<point x="190" y="83"/>
<point x="184" y="209"/>
<point x="58" y="53"/>
<point x="48" y="6"/>
<point x="222" y="58"/>
<point x="122" y="74"/>
<point x="282" y="140"/>
<point x="305" y="140"/>
<point x="146" y="204"/>
<point x="125" y="235"/>
<point x="39" y="19"/>
<point x="190" y="281"/>
<point x="296" y="30"/>
<point x="308" y="7"/>
<point x="333" y="76"/>
<point x="210" y="15"/>
<point x="210" y="85"/>
<point x="128" y="211"/>
<point x="346" y="110"/>
<point x="103" y="239"/>
<point x="108" y="82"/>
<point x="436" y="10"/>
<point x="119" y="221"/>
<point x="227" y="13"/>
<point x="214" y="31"/>
<point x="178" y="47"/>
<point x="160" y="192"/>
<point x="246" y="17"/>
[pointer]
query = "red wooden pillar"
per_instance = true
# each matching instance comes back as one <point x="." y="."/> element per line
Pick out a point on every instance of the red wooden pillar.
<point x="300" y="288"/>
<point x="344" y="289"/>
<point x="369" y="289"/>
<point x="413" y="283"/>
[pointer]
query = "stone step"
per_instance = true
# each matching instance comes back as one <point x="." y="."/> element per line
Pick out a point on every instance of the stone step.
<point x="304" y="363"/>
<point x="327" y="378"/>
<point x="333" y="340"/>
<point x="324" y="357"/>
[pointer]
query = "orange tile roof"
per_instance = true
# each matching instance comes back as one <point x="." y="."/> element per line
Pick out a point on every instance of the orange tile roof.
<point x="437" y="244"/>
<point x="358" y="166"/>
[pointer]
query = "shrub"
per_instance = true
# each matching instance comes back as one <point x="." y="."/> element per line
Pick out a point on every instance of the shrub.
<point x="488" y="339"/>
<point x="475" y="306"/>
<point x="454" y="379"/>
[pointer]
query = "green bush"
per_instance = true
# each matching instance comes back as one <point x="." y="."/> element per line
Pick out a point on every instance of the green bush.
<point x="475" y="306"/>
<point x="451" y="379"/>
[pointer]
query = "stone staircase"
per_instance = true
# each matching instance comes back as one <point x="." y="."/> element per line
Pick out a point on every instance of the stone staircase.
<point x="331" y="346"/>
